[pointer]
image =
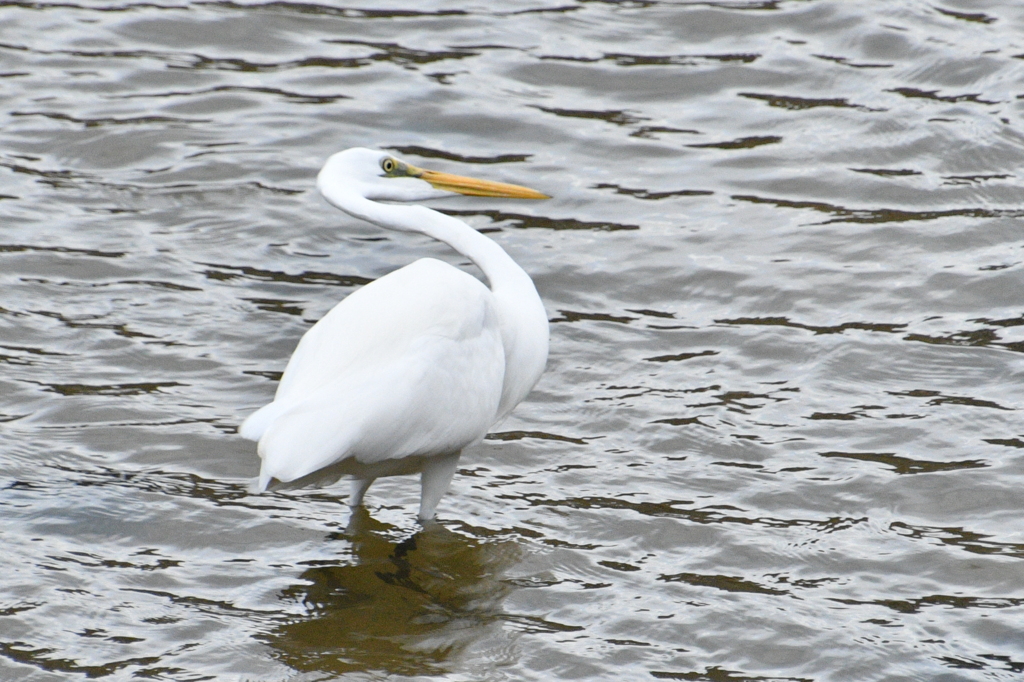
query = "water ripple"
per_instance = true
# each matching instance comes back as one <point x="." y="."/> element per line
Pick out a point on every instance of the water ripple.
<point x="778" y="437"/>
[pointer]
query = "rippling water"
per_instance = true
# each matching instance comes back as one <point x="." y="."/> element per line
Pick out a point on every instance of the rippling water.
<point x="778" y="437"/>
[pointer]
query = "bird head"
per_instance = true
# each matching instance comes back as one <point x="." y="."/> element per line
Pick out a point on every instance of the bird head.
<point x="380" y="176"/>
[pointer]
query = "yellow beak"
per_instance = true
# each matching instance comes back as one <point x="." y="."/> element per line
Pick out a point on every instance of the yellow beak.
<point x="474" y="187"/>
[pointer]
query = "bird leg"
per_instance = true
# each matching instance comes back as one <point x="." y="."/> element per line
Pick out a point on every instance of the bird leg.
<point x="437" y="475"/>
<point x="359" y="486"/>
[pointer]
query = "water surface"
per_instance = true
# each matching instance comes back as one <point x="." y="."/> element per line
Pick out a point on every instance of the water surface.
<point x="779" y="437"/>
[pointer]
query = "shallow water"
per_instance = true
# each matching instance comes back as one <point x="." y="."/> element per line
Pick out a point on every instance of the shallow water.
<point x="777" y="438"/>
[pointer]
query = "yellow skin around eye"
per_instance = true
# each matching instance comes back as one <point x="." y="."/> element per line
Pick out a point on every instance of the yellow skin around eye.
<point x="394" y="168"/>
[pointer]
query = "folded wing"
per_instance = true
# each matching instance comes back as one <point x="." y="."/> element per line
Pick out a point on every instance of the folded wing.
<point x="411" y="364"/>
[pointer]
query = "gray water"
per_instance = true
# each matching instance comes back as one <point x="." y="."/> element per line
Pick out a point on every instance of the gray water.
<point x="779" y="437"/>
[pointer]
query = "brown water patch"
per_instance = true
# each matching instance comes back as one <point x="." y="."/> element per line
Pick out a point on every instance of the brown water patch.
<point x="721" y="582"/>
<point x="229" y="272"/>
<point x="906" y="465"/>
<point x="799" y="103"/>
<point x="647" y="194"/>
<point x="740" y="143"/>
<point x="881" y="215"/>
<point x="523" y="221"/>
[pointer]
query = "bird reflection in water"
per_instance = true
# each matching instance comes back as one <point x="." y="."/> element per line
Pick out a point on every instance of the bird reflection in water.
<point x="398" y="606"/>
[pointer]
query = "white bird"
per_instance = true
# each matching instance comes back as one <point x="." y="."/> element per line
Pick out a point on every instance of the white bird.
<point x="410" y="369"/>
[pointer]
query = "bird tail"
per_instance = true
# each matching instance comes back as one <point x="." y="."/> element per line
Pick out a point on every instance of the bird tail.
<point x="259" y="421"/>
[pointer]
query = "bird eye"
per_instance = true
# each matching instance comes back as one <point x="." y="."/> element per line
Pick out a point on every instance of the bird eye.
<point x="388" y="165"/>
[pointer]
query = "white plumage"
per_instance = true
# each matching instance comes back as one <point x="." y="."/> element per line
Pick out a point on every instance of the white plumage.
<point x="407" y="371"/>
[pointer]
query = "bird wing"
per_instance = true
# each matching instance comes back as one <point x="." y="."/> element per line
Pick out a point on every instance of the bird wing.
<point x="411" y="364"/>
<point x="377" y="324"/>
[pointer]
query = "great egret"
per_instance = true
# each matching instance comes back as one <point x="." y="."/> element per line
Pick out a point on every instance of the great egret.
<point x="407" y="371"/>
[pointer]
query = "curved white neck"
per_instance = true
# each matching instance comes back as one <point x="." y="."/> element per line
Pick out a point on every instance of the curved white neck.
<point x="519" y="305"/>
